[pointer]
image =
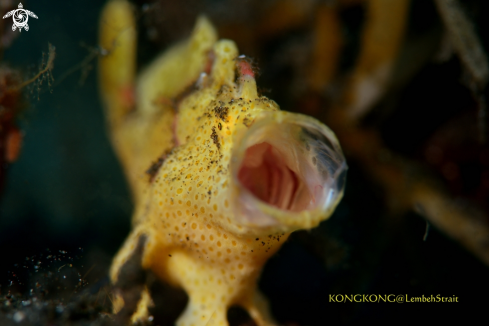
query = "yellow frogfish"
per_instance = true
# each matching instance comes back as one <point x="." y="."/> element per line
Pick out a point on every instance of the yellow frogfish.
<point x="219" y="175"/>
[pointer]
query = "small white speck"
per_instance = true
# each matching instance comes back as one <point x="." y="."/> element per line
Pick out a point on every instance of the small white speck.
<point x="103" y="52"/>
<point x="19" y="316"/>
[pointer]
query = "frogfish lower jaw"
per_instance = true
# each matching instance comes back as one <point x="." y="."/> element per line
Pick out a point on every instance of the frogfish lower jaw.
<point x="287" y="171"/>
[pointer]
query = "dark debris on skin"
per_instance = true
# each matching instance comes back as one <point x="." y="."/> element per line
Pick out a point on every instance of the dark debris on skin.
<point x="221" y="112"/>
<point x="215" y="138"/>
<point x="155" y="166"/>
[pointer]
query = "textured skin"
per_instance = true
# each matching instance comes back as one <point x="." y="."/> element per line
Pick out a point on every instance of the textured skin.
<point x="181" y="131"/>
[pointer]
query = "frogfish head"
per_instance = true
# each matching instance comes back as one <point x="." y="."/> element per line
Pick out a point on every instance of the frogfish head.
<point x="243" y="163"/>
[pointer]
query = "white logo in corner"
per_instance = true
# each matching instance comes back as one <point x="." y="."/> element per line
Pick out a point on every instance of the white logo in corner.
<point x="20" y="17"/>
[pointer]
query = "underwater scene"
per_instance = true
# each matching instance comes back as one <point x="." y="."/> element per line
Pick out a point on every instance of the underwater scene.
<point x="243" y="162"/>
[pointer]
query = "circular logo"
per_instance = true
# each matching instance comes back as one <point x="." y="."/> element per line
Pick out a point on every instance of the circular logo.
<point x="20" y="18"/>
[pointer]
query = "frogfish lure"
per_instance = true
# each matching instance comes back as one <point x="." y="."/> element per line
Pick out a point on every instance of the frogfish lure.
<point x="219" y="175"/>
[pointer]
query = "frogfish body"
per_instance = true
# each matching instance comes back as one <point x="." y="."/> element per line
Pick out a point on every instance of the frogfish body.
<point x="219" y="175"/>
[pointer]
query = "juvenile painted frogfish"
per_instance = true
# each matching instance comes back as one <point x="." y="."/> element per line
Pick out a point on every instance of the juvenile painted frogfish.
<point x="219" y="176"/>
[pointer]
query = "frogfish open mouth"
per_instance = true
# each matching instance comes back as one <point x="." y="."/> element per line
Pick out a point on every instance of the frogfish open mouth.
<point x="219" y="175"/>
<point x="287" y="170"/>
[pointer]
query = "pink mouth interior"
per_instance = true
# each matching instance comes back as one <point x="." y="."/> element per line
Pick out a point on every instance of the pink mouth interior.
<point x="264" y="172"/>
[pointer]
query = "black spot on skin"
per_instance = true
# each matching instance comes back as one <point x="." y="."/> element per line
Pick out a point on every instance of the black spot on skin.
<point x="221" y="112"/>
<point x="215" y="138"/>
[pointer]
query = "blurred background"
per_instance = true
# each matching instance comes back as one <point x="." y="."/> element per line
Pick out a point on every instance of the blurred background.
<point x="402" y="83"/>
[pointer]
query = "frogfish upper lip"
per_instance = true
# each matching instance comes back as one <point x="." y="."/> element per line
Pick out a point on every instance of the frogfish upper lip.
<point x="288" y="172"/>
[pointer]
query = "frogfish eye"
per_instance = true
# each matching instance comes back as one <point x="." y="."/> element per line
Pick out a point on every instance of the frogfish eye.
<point x="288" y="170"/>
